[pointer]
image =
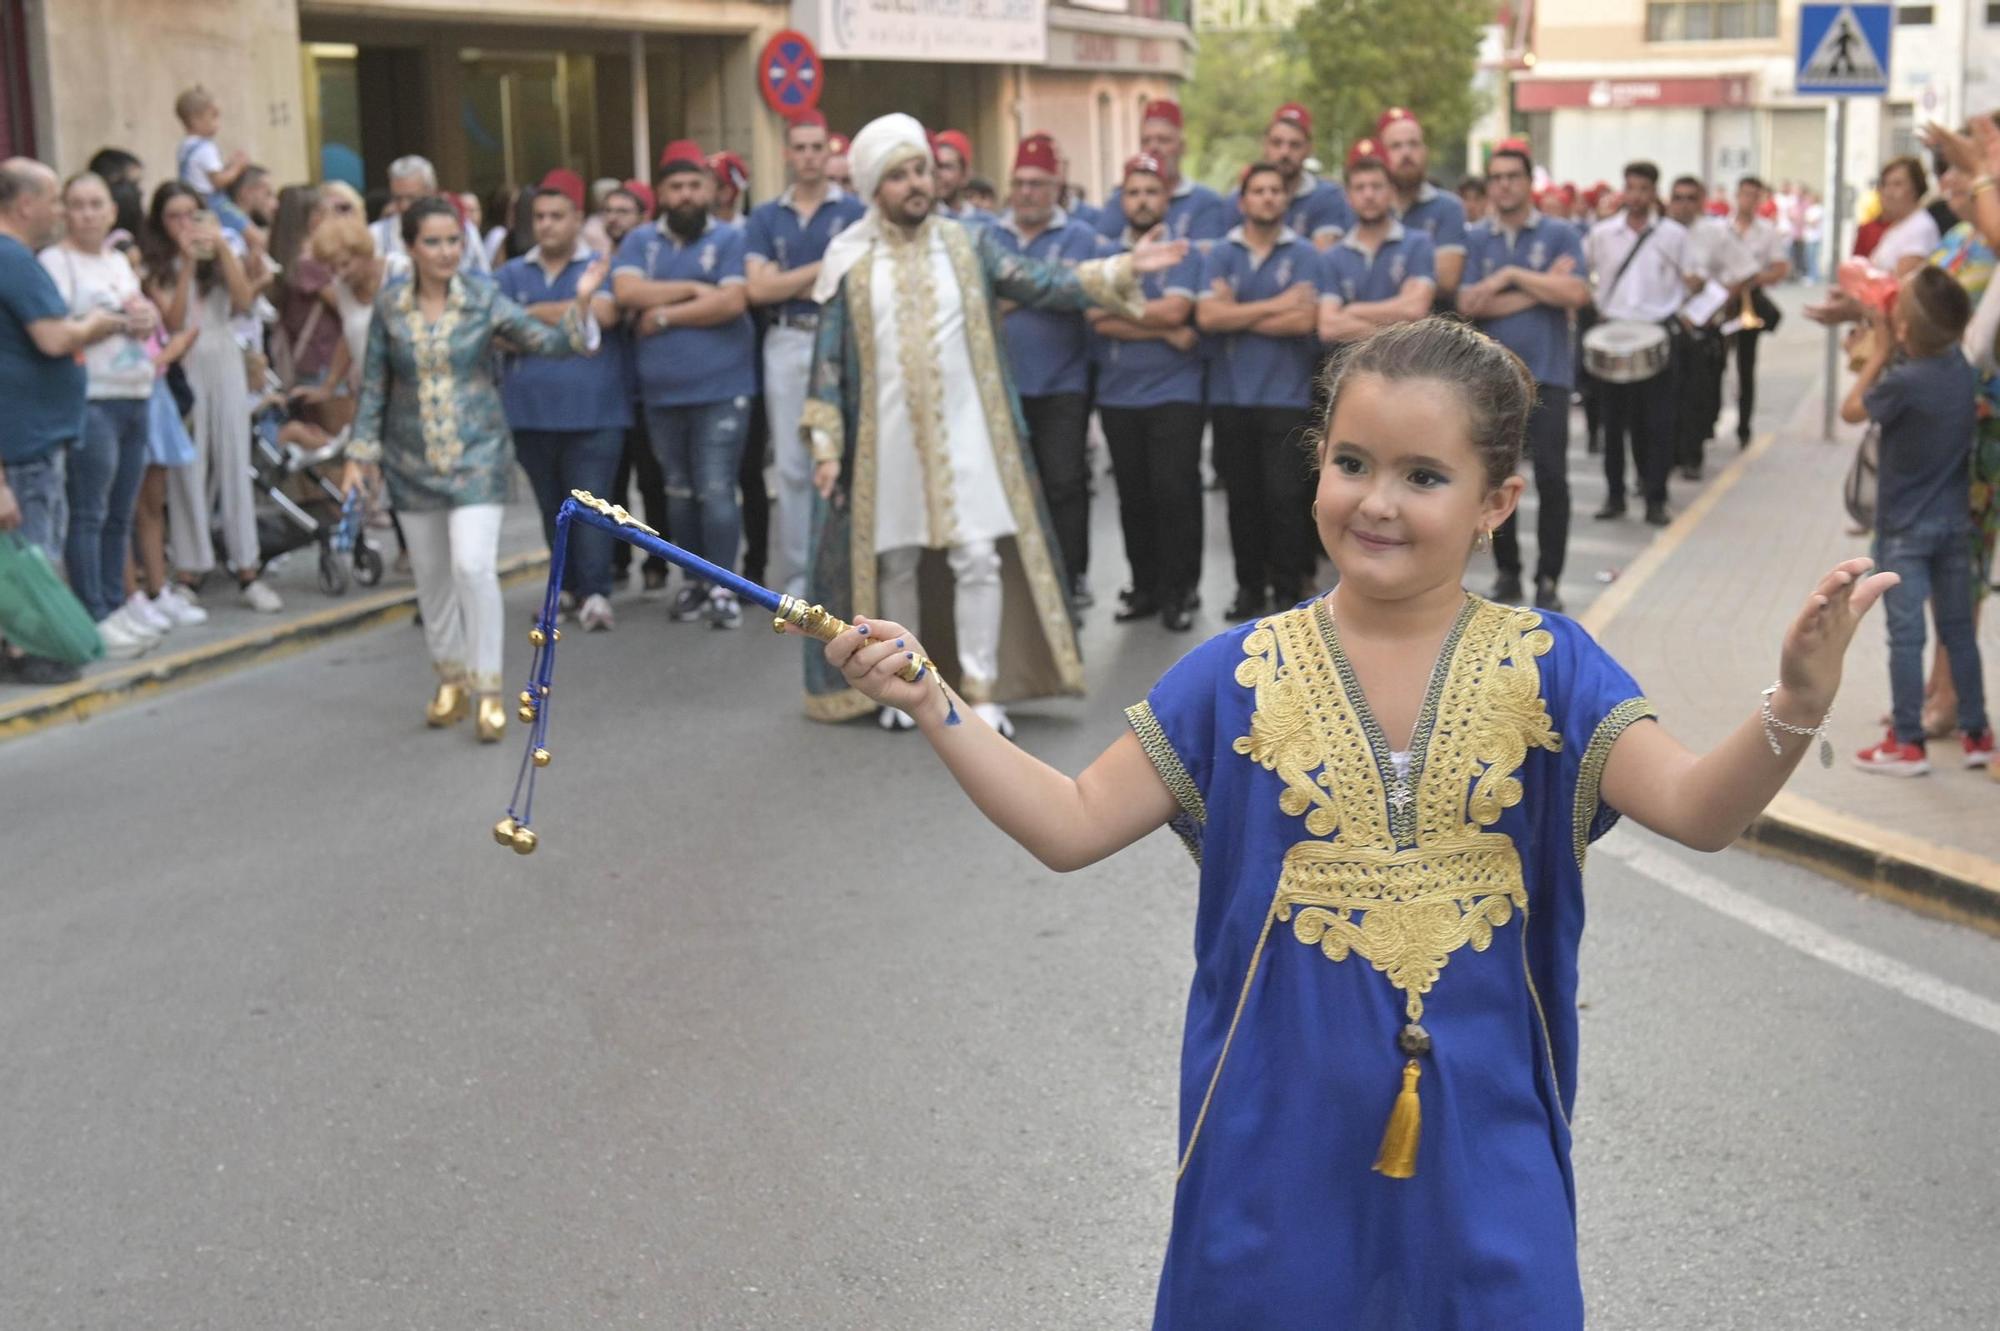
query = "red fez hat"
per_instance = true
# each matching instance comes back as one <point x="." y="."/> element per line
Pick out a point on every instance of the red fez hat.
<point x="1364" y="150"/>
<point x="1395" y="115"/>
<point x="1163" y="109"/>
<point x="728" y="166"/>
<point x="956" y="141"/>
<point x="1513" y="145"/>
<point x="682" y="153"/>
<point x="567" y="182"/>
<point x="837" y="145"/>
<point x="1291" y="113"/>
<point x="1145" y="163"/>
<point x="640" y="190"/>
<point x="806" y="116"/>
<point x="1039" y="152"/>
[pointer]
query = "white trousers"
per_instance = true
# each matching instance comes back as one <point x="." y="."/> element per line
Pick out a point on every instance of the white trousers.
<point x="787" y="368"/>
<point x="455" y="554"/>
<point x="219" y="477"/>
<point x="975" y="569"/>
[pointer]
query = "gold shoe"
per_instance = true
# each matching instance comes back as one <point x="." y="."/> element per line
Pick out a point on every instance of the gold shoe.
<point x="448" y="707"/>
<point x="492" y="719"/>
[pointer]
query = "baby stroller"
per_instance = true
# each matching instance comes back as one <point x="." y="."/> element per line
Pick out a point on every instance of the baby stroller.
<point x="286" y="457"/>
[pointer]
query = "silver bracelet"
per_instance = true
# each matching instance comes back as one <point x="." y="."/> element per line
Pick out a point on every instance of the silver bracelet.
<point x="1772" y="725"/>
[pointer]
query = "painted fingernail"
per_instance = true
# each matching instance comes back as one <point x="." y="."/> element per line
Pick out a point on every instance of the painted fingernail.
<point x="899" y="642"/>
<point x="861" y="628"/>
<point x="909" y="656"/>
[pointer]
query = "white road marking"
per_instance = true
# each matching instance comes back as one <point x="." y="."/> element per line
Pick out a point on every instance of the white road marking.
<point x="1801" y="934"/>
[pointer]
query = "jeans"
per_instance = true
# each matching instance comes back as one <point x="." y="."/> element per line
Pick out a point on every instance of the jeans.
<point x="787" y="367"/>
<point x="1931" y="558"/>
<point x="558" y="461"/>
<point x="1548" y="449"/>
<point x="38" y="490"/>
<point x="105" y="468"/>
<point x="1058" y="432"/>
<point x="1156" y="461"/>
<point x="700" y="448"/>
<point x="1262" y="455"/>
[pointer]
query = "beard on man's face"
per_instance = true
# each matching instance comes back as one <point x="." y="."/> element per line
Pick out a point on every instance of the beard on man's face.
<point x="1142" y="220"/>
<point x="687" y="221"/>
<point x="916" y="205"/>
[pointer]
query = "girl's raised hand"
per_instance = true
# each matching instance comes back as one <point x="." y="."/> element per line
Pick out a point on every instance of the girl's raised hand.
<point x="1816" y="643"/>
<point x="870" y="653"/>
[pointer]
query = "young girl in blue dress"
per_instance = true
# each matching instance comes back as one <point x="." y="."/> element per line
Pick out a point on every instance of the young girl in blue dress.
<point x="1389" y="791"/>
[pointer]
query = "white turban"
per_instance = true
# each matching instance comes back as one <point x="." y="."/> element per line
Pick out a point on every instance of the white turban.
<point x="881" y="146"/>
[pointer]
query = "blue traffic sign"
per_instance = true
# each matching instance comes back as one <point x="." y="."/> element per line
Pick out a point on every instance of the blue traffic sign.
<point x="1844" y="50"/>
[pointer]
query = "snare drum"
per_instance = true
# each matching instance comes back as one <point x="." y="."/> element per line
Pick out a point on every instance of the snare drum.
<point x="1625" y="351"/>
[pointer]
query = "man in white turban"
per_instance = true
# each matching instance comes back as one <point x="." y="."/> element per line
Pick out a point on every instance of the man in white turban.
<point x="932" y="515"/>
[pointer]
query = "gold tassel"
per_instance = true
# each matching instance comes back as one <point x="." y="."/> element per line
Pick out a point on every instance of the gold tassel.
<point x="1398" y="1156"/>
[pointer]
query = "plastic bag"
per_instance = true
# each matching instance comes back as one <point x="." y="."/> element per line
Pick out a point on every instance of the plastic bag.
<point x="38" y="613"/>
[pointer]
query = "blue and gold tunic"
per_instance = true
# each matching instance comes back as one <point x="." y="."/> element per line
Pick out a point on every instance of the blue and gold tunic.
<point x="1344" y="899"/>
<point x="429" y="410"/>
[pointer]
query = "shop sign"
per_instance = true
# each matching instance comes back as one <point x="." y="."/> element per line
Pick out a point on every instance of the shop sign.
<point x="987" y="32"/>
<point x="1625" y="94"/>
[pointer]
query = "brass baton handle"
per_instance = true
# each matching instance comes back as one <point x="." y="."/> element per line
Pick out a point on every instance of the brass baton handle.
<point x="818" y="622"/>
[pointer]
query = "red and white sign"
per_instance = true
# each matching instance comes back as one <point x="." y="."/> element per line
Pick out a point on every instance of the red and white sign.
<point x="789" y="73"/>
<point x="1623" y="94"/>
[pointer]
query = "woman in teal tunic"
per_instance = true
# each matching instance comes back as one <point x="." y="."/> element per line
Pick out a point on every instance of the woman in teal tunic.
<point x="430" y="415"/>
<point x="1389" y="789"/>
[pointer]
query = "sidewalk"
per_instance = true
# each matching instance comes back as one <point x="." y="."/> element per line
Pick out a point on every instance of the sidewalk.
<point x="1698" y="620"/>
<point x="235" y="634"/>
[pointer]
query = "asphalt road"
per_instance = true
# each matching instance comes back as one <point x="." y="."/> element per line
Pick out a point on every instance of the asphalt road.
<point x="774" y="1032"/>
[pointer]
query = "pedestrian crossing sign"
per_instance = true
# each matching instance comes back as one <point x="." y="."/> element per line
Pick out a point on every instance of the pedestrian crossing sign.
<point x="1844" y="50"/>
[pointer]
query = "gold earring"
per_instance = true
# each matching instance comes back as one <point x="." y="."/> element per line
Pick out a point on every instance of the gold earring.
<point x="1484" y="541"/>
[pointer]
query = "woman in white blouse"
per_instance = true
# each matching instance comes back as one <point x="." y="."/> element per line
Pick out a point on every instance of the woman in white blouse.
<point x="1909" y="237"/>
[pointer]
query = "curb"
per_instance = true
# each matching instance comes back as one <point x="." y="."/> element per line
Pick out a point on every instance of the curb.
<point x="1927" y="876"/>
<point x="146" y="679"/>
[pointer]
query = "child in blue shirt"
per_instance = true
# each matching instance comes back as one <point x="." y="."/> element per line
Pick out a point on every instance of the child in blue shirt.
<point x="1924" y="401"/>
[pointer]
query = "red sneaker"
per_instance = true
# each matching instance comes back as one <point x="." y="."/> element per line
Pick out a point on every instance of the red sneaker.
<point x="1978" y="749"/>
<point x="1892" y="757"/>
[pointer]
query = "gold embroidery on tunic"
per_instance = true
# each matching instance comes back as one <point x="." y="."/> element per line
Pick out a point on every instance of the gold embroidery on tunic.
<point x="1112" y="285"/>
<point x="916" y="352"/>
<point x="1590" y="773"/>
<point x="437" y="397"/>
<point x="1402" y="887"/>
<point x="1160" y="752"/>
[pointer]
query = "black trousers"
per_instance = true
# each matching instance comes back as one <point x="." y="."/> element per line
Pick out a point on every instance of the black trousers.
<point x="1261" y="455"/>
<point x="1058" y="432"/>
<point x="1744" y="343"/>
<point x="1548" y="450"/>
<point x="1699" y="359"/>
<point x="1641" y="415"/>
<point x="639" y="462"/>
<point x="1156" y="462"/>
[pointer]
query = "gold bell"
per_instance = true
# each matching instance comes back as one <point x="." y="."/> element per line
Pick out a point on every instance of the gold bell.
<point x="503" y="831"/>
<point x="558" y="635"/>
<point x="524" y="841"/>
<point x="527" y="697"/>
<point x="536" y="637"/>
<point x="542" y="757"/>
<point x="527" y="712"/>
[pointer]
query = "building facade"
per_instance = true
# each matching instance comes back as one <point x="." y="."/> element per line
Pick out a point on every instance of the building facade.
<point x="1706" y="86"/>
<point x="500" y="91"/>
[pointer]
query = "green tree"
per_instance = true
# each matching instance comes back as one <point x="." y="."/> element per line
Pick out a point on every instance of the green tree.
<point x="1364" y="56"/>
<point x="1239" y="78"/>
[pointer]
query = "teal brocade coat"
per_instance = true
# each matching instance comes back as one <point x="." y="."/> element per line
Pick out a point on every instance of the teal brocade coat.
<point x="430" y="409"/>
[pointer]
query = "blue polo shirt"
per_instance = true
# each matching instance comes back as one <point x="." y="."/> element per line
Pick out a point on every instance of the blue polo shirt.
<point x="778" y="235"/>
<point x="1195" y="212"/>
<point x="566" y="392"/>
<point x="1086" y="213"/>
<point x="1539" y="336"/>
<point x="44" y="395"/>
<point x="1151" y="373"/>
<point x="1355" y="275"/>
<point x="1049" y="349"/>
<point x="1250" y="369"/>
<point x="1318" y="209"/>
<point x="687" y="367"/>
<point x="970" y="214"/>
<point x="1440" y="215"/>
